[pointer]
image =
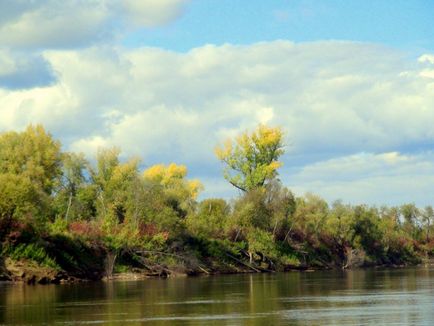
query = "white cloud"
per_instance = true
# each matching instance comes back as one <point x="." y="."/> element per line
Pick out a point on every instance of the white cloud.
<point x="333" y="99"/>
<point x="150" y="13"/>
<point x="52" y="23"/>
<point x="90" y="145"/>
<point x="78" y="23"/>
<point x="427" y="58"/>
<point x="391" y="178"/>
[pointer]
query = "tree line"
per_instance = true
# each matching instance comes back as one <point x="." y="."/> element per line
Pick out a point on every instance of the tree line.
<point x="56" y="207"/>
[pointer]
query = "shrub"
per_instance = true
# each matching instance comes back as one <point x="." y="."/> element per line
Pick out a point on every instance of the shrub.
<point x="31" y="251"/>
<point x="59" y="226"/>
<point x="85" y="229"/>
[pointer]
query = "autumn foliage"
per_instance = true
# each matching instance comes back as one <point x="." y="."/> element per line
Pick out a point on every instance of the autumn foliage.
<point x="153" y="216"/>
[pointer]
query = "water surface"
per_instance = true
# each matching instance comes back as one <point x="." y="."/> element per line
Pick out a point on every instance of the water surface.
<point x="361" y="297"/>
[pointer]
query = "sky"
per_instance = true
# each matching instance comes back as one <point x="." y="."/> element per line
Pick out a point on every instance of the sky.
<point x="351" y="83"/>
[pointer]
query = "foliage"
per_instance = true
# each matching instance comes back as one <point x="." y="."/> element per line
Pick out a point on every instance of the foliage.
<point x="251" y="210"/>
<point x="210" y="218"/>
<point x="58" y="210"/>
<point x="116" y="186"/>
<point x="252" y="159"/>
<point x="31" y="251"/>
<point x="59" y="226"/>
<point x="32" y="153"/>
<point x="29" y="167"/>
<point x="260" y="241"/>
<point x="311" y="214"/>
<point x="86" y="230"/>
<point x="281" y="204"/>
<point x="340" y="223"/>
<point x="72" y="184"/>
<point x="180" y="193"/>
<point x="18" y="197"/>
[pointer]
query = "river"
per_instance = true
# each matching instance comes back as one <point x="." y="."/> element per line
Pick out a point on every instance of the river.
<point x="359" y="297"/>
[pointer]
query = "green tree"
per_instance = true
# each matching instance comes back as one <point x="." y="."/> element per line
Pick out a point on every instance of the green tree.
<point x="73" y="180"/>
<point x="281" y="204"/>
<point x="32" y="153"/>
<point x="411" y="215"/>
<point x="30" y="166"/>
<point x="368" y="233"/>
<point x="210" y="218"/>
<point x="251" y="210"/>
<point x="118" y="186"/>
<point x="18" y="200"/>
<point x="252" y="159"/>
<point x="340" y="223"/>
<point x="311" y="214"/>
<point x="427" y="218"/>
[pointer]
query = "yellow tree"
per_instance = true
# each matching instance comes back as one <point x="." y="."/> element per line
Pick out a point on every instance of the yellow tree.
<point x="181" y="192"/>
<point x="252" y="158"/>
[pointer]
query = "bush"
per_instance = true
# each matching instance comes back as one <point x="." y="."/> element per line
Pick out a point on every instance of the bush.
<point x="85" y="229"/>
<point x="59" y="226"/>
<point x="261" y="242"/>
<point x="31" y="251"/>
<point x="210" y="219"/>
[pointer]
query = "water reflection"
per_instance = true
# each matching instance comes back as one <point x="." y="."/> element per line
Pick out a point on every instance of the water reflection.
<point x="363" y="297"/>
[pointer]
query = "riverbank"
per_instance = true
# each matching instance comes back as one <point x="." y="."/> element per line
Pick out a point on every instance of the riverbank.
<point x="56" y="259"/>
<point x="29" y="272"/>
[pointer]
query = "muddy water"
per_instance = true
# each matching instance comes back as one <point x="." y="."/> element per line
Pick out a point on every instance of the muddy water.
<point x="362" y="297"/>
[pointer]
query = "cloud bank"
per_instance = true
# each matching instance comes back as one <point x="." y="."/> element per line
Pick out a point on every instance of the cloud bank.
<point x="78" y="23"/>
<point x="357" y="116"/>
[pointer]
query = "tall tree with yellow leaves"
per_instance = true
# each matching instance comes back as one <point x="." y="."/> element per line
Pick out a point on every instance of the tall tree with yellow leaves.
<point x="252" y="159"/>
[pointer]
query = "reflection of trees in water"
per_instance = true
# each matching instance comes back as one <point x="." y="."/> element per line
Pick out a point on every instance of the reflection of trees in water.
<point x="29" y="304"/>
<point x="329" y="297"/>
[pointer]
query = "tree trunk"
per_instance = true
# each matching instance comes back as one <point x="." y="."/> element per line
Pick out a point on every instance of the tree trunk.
<point x="69" y="206"/>
<point x="274" y="229"/>
<point x="110" y="263"/>
<point x="238" y="233"/>
<point x="101" y="198"/>
<point x="287" y="234"/>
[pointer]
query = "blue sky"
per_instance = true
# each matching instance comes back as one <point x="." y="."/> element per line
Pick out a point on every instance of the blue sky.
<point x="350" y="82"/>
<point x="402" y="24"/>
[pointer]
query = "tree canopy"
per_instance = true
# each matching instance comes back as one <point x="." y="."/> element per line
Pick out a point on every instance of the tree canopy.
<point x="32" y="153"/>
<point x="153" y="218"/>
<point x="252" y="158"/>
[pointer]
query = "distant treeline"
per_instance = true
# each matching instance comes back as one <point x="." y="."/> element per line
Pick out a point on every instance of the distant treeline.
<point x="59" y="211"/>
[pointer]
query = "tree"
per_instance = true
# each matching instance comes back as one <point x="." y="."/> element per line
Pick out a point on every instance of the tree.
<point x="18" y="196"/>
<point x="33" y="154"/>
<point x="428" y="217"/>
<point x="252" y="159"/>
<point x="181" y="193"/>
<point x="73" y="178"/>
<point x="30" y="164"/>
<point x="311" y="214"/>
<point x="118" y="186"/>
<point x="210" y="218"/>
<point x="411" y="215"/>
<point x="282" y="205"/>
